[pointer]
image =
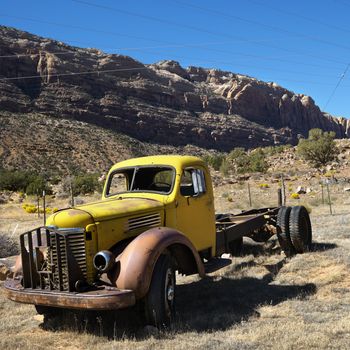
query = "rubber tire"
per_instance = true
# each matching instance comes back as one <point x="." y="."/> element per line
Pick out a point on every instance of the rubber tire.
<point x="236" y="247"/>
<point x="283" y="231"/>
<point x="300" y="229"/>
<point x="159" y="309"/>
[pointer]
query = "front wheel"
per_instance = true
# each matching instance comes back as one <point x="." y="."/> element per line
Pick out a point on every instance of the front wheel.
<point x="159" y="302"/>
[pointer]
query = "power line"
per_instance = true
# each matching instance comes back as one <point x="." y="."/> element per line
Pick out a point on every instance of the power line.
<point x="48" y="85"/>
<point x="201" y="30"/>
<point x="238" y="39"/>
<point x="298" y="15"/>
<point x="199" y="46"/>
<point x="73" y="73"/>
<point x="231" y="63"/>
<point x="82" y="28"/>
<point x="270" y="27"/>
<point x="336" y="87"/>
<point x="146" y="68"/>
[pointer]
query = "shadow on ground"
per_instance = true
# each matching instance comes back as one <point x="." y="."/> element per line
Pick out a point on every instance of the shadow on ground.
<point x="218" y="303"/>
<point x="319" y="247"/>
<point x="213" y="303"/>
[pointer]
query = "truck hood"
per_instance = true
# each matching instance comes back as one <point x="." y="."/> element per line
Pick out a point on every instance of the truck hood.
<point x="83" y="215"/>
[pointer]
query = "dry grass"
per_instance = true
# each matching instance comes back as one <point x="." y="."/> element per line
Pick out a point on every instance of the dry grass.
<point x="259" y="301"/>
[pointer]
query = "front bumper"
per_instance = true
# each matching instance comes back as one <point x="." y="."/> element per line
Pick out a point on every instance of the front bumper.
<point x="106" y="298"/>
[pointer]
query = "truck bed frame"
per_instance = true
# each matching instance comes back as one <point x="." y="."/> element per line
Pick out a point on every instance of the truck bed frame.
<point x="230" y="227"/>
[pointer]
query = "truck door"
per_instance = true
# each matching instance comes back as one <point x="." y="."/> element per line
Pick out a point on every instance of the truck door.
<point x="195" y="216"/>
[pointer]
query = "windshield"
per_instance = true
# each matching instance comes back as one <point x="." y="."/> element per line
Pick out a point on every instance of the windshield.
<point x="157" y="179"/>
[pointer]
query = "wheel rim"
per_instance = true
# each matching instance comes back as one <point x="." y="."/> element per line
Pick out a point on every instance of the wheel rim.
<point x="169" y="296"/>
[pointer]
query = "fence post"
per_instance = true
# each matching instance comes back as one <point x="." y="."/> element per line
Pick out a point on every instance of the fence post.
<point x="322" y="193"/>
<point x="38" y="203"/>
<point x="283" y="191"/>
<point x="44" y="206"/>
<point x="329" y="198"/>
<point x="279" y="194"/>
<point x="250" y="196"/>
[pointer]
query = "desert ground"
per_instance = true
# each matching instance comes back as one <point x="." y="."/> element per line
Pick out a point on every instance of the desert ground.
<point x="263" y="300"/>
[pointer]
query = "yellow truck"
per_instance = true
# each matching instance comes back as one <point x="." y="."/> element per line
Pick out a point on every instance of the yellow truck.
<point x="156" y="217"/>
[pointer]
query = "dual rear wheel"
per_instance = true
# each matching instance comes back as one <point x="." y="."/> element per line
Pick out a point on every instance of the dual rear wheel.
<point x="294" y="230"/>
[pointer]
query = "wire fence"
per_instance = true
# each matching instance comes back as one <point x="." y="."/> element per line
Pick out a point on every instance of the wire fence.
<point x="326" y="193"/>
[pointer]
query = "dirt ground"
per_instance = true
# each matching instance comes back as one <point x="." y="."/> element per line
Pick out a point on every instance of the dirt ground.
<point x="263" y="300"/>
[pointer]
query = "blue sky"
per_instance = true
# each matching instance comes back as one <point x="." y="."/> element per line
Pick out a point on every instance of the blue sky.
<point x="303" y="46"/>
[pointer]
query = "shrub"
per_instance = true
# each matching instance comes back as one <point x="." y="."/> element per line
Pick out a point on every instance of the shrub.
<point x="84" y="184"/>
<point x="37" y="186"/>
<point x="330" y="173"/>
<point x="224" y="167"/>
<point x="257" y="161"/>
<point x="263" y="185"/>
<point x="215" y="161"/>
<point x="295" y="196"/>
<point x="237" y="153"/>
<point x="14" y="180"/>
<point x="272" y="150"/>
<point x="23" y="181"/>
<point x="252" y="162"/>
<point x="319" y="149"/>
<point x="32" y="209"/>
<point x="240" y="159"/>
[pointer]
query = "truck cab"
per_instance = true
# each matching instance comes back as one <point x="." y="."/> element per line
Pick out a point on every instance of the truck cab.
<point x="181" y="183"/>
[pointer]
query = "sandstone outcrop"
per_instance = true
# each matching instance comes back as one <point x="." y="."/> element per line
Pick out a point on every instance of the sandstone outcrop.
<point x="161" y="103"/>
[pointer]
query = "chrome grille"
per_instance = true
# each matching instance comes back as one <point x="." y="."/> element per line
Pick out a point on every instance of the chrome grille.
<point x="150" y="220"/>
<point x="68" y="258"/>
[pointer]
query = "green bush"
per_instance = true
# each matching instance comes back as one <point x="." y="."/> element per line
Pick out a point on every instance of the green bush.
<point x="272" y="150"/>
<point x="319" y="149"/>
<point x="23" y="181"/>
<point x="224" y="168"/>
<point x="84" y="184"/>
<point x="257" y="161"/>
<point x="14" y="180"/>
<point x="248" y="162"/>
<point x="37" y="186"/>
<point x="240" y="160"/>
<point x="215" y="160"/>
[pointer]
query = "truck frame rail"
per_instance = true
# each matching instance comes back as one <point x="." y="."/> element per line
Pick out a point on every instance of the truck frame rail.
<point x="231" y="227"/>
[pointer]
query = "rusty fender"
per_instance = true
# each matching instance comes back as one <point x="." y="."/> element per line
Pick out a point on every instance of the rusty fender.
<point x="134" y="266"/>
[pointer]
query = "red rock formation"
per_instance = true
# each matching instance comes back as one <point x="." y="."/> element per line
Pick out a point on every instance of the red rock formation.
<point x="161" y="103"/>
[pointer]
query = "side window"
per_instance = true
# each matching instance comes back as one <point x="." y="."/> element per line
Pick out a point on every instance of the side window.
<point x="119" y="182"/>
<point x="192" y="182"/>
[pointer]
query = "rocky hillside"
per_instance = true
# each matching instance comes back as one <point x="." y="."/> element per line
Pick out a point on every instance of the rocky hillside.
<point x="161" y="103"/>
<point x="52" y="146"/>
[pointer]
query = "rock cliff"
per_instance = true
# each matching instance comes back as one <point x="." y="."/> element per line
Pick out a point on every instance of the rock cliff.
<point x="162" y="103"/>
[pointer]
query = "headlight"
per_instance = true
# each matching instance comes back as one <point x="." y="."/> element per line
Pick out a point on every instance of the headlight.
<point x="103" y="261"/>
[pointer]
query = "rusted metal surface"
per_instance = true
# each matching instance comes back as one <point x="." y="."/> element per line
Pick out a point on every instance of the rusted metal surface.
<point x="134" y="266"/>
<point x="65" y="262"/>
<point x="232" y="227"/>
<point x="105" y="298"/>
